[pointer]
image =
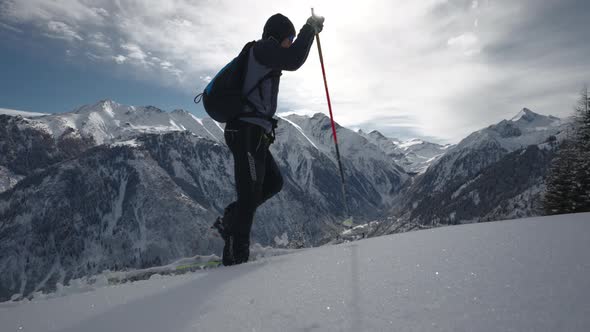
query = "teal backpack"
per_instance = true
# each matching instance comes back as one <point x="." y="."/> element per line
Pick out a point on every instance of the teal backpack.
<point x="222" y="98"/>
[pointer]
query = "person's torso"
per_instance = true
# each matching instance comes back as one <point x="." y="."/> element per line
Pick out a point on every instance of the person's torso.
<point x="264" y="97"/>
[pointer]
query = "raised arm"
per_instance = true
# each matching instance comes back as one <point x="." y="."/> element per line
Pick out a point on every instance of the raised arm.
<point x="270" y="53"/>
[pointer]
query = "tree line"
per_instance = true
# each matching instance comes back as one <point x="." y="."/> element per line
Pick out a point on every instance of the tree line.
<point x="568" y="182"/>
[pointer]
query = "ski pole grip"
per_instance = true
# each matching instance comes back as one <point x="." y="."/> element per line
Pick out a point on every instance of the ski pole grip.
<point x="312" y="12"/>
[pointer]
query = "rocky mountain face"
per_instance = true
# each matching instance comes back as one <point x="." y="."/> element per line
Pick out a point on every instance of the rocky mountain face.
<point x="108" y="122"/>
<point x="494" y="173"/>
<point x="25" y="148"/>
<point x="109" y="186"/>
<point x="137" y="204"/>
<point x="414" y="155"/>
<point x="371" y="175"/>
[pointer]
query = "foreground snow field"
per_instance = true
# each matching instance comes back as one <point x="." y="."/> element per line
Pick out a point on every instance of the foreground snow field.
<point x="521" y="275"/>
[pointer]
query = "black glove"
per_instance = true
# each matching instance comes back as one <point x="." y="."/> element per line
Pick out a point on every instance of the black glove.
<point x="316" y="22"/>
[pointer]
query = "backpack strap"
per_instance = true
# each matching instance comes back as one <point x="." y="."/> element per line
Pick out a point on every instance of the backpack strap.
<point x="255" y="112"/>
<point x="272" y="73"/>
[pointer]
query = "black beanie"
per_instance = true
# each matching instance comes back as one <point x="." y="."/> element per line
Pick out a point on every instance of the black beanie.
<point x="279" y="27"/>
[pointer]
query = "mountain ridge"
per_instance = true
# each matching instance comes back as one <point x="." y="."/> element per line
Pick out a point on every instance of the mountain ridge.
<point x="115" y="198"/>
<point x="100" y="149"/>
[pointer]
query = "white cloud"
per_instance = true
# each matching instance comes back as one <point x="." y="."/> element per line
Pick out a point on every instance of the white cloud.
<point x="303" y="111"/>
<point x="415" y="64"/>
<point x="120" y="59"/>
<point x="42" y="11"/>
<point x="100" y="44"/>
<point x="100" y="11"/>
<point x="99" y="40"/>
<point x="61" y="30"/>
<point x="466" y="40"/>
<point x="94" y="57"/>
<point x="174" y="71"/>
<point x="134" y="52"/>
<point x="10" y="27"/>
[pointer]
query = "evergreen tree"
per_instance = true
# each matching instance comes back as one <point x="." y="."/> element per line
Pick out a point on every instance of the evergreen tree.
<point x="568" y="182"/>
<point x="582" y="121"/>
<point x="560" y="196"/>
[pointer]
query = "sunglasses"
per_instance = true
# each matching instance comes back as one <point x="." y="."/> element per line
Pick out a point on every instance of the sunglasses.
<point x="291" y="38"/>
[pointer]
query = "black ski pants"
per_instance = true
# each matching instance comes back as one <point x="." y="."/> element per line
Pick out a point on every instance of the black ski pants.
<point x="257" y="175"/>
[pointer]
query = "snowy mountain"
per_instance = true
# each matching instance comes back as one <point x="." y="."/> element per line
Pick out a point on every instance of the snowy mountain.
<point x="369" y="171"/>
<point x="480" y="176"/>
<point x="26" y="148"/>
<point x="108" y="122"/>
<point x="23" y="114"/>
<point x="418" y="154"/>
<point x="526" y="128"/>
<point x="109" y="186"/>
<point x="414" y="155"/>
<point x="521" y="275"/>
<point x="109" y="208"/>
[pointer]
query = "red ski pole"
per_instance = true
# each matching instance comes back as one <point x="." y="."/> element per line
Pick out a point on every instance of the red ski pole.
<point x="347" y="222"/>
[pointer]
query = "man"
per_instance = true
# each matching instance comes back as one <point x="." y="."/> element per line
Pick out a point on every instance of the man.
<point x="249" y="136"/>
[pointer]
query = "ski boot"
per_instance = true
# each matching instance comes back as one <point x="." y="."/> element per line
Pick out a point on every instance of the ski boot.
<point x="228" y="248"/>
<point x="241" y="249"/>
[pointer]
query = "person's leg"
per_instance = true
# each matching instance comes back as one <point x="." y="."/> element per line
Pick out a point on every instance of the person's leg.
<point x="273" y="180"/>
<point x="222" y="224"/>
<point x="249" y="154"/>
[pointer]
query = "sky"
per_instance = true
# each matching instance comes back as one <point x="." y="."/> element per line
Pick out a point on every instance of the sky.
<point x="433" y="69"/>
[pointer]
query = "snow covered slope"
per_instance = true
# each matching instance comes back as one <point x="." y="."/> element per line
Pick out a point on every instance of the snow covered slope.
<point x="522" y="275"/>
<point x="363" y="162"/>
<point x="418" y="154"/>
<point x="112" y="208"/>
<point x="26" y="148"/>
<point x="486" y="172"/>
<point x="414" y="155"/>
<point x="108" y="122"/>
<point x="21" y="113"/>
<point x="110" y="186"/>
<point x="526" y="128"/>
<point x="77" y="185"/>
<point x="488" y="145"/>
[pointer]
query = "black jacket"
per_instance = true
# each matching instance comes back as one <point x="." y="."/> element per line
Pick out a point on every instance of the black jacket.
<point x="269" y="52"/>
<point x="268" y="57"/>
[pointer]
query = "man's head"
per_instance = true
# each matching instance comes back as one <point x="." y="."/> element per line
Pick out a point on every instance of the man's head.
<point x="280" y="28"/>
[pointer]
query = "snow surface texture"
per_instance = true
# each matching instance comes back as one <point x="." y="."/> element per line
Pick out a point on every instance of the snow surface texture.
<point x="522" y="275"/>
